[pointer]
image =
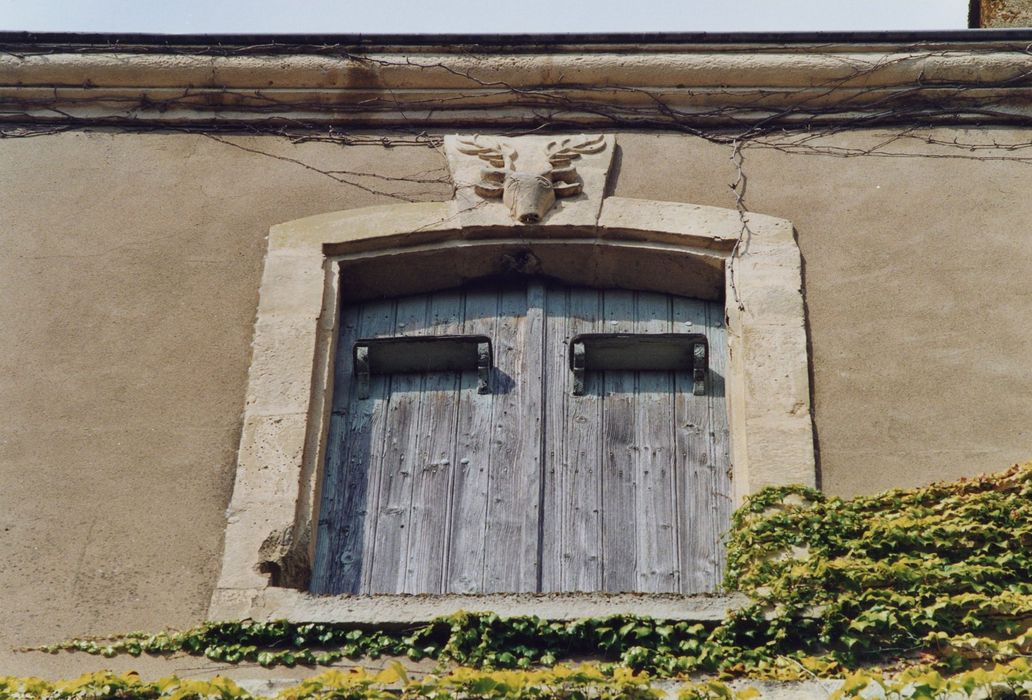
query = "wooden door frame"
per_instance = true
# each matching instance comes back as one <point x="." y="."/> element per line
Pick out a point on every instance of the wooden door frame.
<point x="313" y="264"/>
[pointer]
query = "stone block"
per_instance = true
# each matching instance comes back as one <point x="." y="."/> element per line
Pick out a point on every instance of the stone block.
<point x="708" y="225"/>
<point x="780" y="451"/>
<point x="775" y="372"/>
<point x="292" y="285"/>
<point x="246" y="530"/>
<point x="270" y="460"/>
<point x="352" y="228"/>
<point x="280" y="378"/>
<point x="771" y="304"/>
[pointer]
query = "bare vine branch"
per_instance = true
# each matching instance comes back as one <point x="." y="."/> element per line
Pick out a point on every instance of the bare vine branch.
<point x="738" y="187"/>
<point x="794" y="122"/>
<point x="341" y="176"/>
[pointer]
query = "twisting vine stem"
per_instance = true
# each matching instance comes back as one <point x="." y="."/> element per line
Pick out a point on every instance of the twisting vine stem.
<point x="738" y="187"/>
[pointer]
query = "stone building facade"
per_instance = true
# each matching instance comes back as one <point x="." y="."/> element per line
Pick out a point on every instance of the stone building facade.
<point x="176" y="213"/>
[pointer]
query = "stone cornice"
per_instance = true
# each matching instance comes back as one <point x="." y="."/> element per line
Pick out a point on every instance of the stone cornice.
<point x="675" y="87"/>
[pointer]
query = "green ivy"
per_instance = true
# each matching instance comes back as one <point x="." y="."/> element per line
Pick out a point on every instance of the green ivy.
<point x="940" y="575"/>
<point x="943" y="572"/>
<point x="562" y="683"/>
<point x="585" y="682"/>
<point x="1011" y="680"/>
<point x="481" y="640"/>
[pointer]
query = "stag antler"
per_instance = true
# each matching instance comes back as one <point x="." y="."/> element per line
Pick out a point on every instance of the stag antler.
<point x="560" y="153"/>
<point x="498" y="153"/>
<point x="544" y="173"/>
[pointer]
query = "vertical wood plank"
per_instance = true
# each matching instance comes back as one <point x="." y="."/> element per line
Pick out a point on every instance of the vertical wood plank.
<point x="431" y="479"/>
<point x="388" y="555"/>
<point x="328" y="532"/>
<point x="692" y="457"/>
<point x="514" y="487"/>
<point x="554" y="387"/>
<point x="721" y="497"/>
<point x="582" y="485"/>
<point x="356" y="455"/>
<point x="468" y="508"/>
<point x="620" y="522"/>
<point x="658" y="570"/>
<point x="531" y="447"/>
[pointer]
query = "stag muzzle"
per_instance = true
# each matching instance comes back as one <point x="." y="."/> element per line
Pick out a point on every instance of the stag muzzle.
<point x="528" y="196"/>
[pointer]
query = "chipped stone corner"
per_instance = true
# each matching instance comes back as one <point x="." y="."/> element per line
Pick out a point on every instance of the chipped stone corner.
<point x="283" y="557"/>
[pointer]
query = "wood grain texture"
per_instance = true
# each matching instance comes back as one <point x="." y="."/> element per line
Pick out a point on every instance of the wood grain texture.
<point x="658" y="569"/>
<point x="721" y="498"/>
<point x="464" y="529"/>
<point x="692" y="460"/>
<point x="581" y="494"/>
<point x="511" y="533"/>
<point x="431" y="478"/>
<point x="554" y="386"/>
<point x="431" y="487"/>
<point x="620" y="519"/>
<point x="388" y="553"/>
<point x="357" y="429"/>
<point x="332" y="530"/>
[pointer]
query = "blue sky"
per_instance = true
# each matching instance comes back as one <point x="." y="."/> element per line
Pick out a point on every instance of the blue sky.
<point x="467" y="16"/>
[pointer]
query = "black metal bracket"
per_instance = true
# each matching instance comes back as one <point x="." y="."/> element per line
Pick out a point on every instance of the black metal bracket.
<point x="423" y="353"/>
<point x="682" y="352"/>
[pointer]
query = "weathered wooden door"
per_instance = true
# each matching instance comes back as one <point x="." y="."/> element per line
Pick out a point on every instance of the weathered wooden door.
<point x="431" y="486"/>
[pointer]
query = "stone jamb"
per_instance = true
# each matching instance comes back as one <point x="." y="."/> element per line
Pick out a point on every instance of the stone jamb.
<point x="269" y="530"/>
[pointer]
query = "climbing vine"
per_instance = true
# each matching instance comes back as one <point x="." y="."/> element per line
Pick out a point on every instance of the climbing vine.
<point x="936" y="578"/>
<point x="942" y="573"/>
<point x="584" y="682"/>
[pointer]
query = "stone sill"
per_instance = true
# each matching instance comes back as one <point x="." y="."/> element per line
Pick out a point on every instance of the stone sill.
<point x="399" y="610"/>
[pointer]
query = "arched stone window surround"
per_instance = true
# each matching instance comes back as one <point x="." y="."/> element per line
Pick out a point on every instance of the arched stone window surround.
<point x="315" y="263"/>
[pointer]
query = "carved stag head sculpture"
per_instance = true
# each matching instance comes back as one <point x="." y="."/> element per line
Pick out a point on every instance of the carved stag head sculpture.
<point x="530" y="189"/>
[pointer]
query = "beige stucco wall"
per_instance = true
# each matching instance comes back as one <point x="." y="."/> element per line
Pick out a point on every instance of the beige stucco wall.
<point x="129" y="273"/>
<point x="917" y="288"/>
